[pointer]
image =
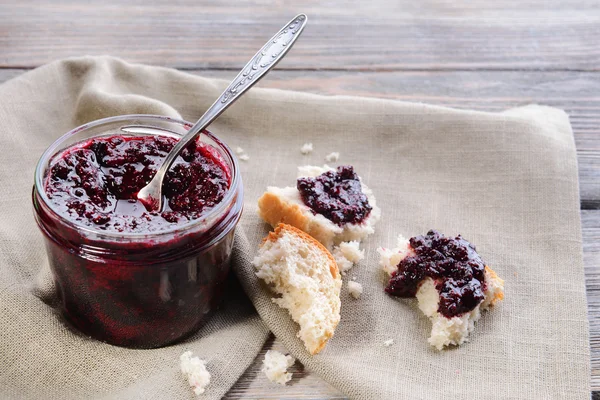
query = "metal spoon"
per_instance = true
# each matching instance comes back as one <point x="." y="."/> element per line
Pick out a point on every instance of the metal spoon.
<point x="262" y="62"/>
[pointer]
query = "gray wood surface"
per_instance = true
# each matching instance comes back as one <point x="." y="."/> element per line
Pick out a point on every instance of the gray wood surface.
<point x="468" y="54"/>
<point x="373" y="35"/>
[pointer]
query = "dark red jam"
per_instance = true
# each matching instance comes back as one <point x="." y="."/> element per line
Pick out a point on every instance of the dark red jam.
<point x="96" y="182"/>
<point x="337" y="195"/>
<point x="145" y="290"/>
<point x="454" y="265"/>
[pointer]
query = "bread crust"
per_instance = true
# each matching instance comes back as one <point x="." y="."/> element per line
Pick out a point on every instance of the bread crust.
<point x="282" y="228"/>
<point x="322" y="343"/>
<point x="275" y="210"/>
<point x="499" y="295"/>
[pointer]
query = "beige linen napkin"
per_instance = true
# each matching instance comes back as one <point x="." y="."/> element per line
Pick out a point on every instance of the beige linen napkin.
<point x="506" y="181"/>
<point x="40" y="356"/>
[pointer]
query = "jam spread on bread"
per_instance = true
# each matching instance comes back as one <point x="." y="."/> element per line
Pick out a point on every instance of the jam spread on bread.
<point x="454" y="265"/>
<point x="336" y="195"/>
<point x="96" y="182"/>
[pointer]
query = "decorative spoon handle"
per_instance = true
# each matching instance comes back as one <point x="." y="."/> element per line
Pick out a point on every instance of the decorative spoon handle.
<point x="261" y="63"/>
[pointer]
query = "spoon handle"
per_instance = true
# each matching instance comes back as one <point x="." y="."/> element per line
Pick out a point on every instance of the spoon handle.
<point x="261" y="63"/>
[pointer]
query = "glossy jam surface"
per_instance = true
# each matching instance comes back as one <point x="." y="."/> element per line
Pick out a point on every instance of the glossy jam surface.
<point x="337" y="195"/>
<point x="96" y="182"/>
<point x="454" y="265"/>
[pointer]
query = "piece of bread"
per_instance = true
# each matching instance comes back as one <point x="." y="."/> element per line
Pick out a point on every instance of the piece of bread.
<point x="347" y="254"/>
<point x="306" y="148"/>
<point x="284" y="205"/>
<point x="275" y="366"/>
<point x="444" y="331"/>
<point x="305" y="276"/>
<point x="194" y="369"/>
<point x="355" y="289"/>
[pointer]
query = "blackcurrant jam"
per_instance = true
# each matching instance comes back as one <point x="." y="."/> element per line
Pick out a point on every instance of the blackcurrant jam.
<point x="126" y="275"/>
<point x="337" y="195"/>
<point x="453" y="263"/>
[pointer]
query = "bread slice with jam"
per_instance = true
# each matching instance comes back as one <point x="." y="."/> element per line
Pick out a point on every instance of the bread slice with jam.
<point x="451" y="282"/>
<point x="330" y="227"/>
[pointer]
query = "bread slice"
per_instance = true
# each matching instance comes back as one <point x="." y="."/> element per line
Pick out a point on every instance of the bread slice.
<point x="284" y="205"/>
<point x="445" y="331"/>
<point x="305" y="276"/>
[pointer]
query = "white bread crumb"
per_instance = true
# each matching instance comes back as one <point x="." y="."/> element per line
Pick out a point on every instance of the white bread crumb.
<point x="355" y="289"/>
<point x="347" y="254"/>
<point x="275" y="366"/>
<point x="306" y="148"/>
<point x="351" y="251"/>
<point x="194" y="369"/>
<point x="332" y="157"/>
<point x="306" y="278"/>
<point x="239" y="150"/>
<point x="444" y="331"/>
<point x="388" y="342"/>
<point x="244" y="157"/>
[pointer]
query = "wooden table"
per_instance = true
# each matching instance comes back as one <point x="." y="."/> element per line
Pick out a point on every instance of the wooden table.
<point x="477" y="54"/>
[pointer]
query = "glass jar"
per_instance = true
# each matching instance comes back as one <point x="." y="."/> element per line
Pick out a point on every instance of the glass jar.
<point x="139" y="290"/>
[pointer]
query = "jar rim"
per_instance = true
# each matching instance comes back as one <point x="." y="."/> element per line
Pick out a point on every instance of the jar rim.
<point x="53" y="149"/>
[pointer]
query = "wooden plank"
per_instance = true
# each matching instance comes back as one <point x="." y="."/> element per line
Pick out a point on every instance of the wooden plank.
<point x="371" y="35"/>
<point x="254" y="384"/>
<point x="576" y="92"/>
<point x="6" y="74"/>
<point x="590" y="221"/>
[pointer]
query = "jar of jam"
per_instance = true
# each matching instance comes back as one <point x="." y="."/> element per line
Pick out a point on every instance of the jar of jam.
<point x="126" y="275"/>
